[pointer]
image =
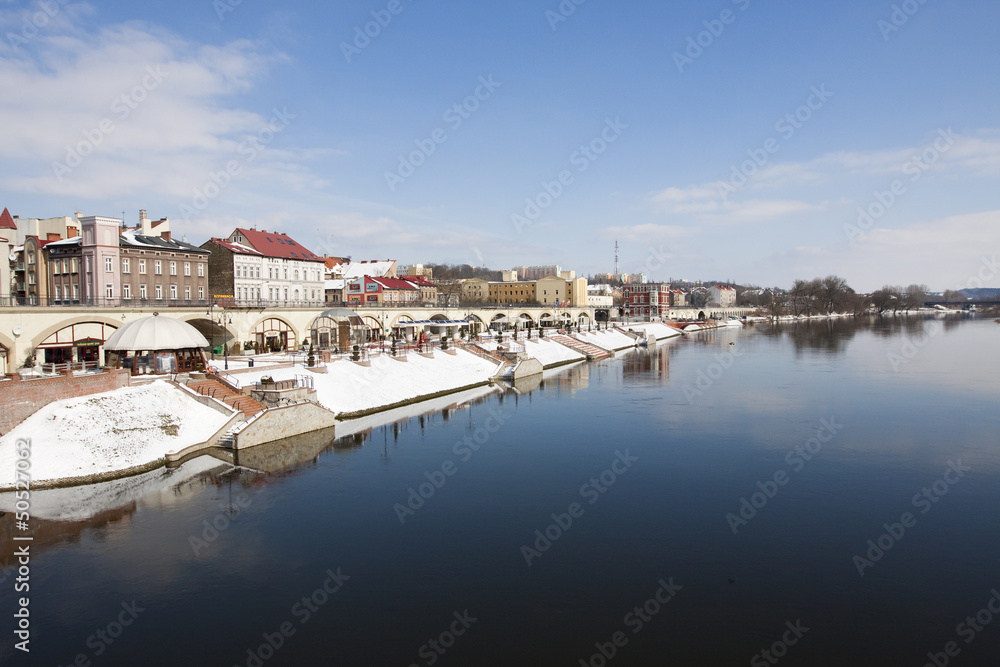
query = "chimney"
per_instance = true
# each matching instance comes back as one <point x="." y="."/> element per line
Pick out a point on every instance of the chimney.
<point x="165" y="235"/>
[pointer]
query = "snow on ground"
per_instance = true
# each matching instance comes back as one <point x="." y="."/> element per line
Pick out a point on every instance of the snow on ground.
<point x="350" y="387"/>
<point x="550" y="352"/>
<point x="220" y="364"/>
<point x="107" y="432"/>
<point x="657" y="329"/>
<point x="608" y="339"/>
<point x="79" y="503"/>
<point x="433" y="406"/>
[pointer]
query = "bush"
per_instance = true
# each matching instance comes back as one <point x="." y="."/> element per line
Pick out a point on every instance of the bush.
<point x="356" y="353"/>
<point x="266" y="379"/>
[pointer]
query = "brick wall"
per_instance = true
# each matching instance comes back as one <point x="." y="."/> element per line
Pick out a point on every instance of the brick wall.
<point x="19" y="399"/>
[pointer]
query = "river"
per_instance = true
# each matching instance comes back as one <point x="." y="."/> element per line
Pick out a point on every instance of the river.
<point x="825" y="493"/>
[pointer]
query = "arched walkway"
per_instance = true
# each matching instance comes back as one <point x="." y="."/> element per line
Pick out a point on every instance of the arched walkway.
<point x="79" y="340"/>
<point x="274" y="334"/>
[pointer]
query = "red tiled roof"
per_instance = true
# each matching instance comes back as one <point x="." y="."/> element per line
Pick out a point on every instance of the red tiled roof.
<point x="335" y="261"/>
<point x="234" y="247"/>
<point x="418" y="280"/>
<point x="6" y="222"/>
<point x="277" y="244"/>
<point x="392" y="283"/>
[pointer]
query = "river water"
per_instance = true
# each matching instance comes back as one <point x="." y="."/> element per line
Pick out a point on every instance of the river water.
<point x="699" y="503"/>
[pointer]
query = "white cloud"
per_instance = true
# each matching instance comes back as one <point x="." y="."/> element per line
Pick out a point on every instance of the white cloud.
<point x="131" y="109"/>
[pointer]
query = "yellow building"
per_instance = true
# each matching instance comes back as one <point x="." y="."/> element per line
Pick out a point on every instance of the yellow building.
<point x="521" y="291"/>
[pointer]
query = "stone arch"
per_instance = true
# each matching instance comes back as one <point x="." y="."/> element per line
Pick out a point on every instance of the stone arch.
<point x="80" y="319"/>
<point x="405" y="317"/>
<point x="528" y="317"/>
<point x="701" y="314"/>
<point x="583" y="318"/>
<point x="274" y="333"/>
<point x="78" y="339"/>
<point x="214" y="333"/>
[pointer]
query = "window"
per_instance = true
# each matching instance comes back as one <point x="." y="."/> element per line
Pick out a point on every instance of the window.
<point x="187" y="292"/>
<point x="173" y="268"/>
<point x="109" y="290"/>
<point x="201" y="270"/>
<point x="58" y="293"/>
<point x="107" y="265"/>
<point x="76" y="265"/>
<point x="256" y="272"/>
<point x="158" y="268"/>
<point x="173" y="291"/>
<point x="142" y="291"/>
<point x="286" y="275"/>
<point x="126" y="291"/>
<point x="142" y="267"/>
<point x="296" y="274"/>
<point x="158" y="292"/>
<point x="201" y="292"/>
<point x="187" y="268"/>
<point x="88" y="266"/>
<point x="76" y="292"/>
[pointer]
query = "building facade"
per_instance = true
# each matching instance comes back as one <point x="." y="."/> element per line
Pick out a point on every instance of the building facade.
<point x="265" y="268"/>
<point x="722" y="296"/>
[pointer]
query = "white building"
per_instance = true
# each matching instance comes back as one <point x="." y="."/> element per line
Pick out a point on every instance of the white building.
<point x="722" y="296"/>
<point x="268" y="268"/>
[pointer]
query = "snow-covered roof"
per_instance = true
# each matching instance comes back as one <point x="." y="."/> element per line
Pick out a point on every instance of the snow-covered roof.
<point x="334" y="283"/>
<point x="375" y="269"/>
<point x="155" y="333"/>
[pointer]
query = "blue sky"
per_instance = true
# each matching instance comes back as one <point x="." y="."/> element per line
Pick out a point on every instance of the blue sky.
<point x="223" y="114"/>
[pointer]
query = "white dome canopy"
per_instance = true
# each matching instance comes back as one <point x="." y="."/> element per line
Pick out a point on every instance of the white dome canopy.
<point x="155" y="333"/>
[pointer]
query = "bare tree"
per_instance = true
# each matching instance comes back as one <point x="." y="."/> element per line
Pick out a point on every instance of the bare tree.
<point x="914" y="297"/>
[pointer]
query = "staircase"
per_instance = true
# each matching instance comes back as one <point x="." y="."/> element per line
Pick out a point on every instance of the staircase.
<point x="581" y="347"/>
<point x="248" y="406"/>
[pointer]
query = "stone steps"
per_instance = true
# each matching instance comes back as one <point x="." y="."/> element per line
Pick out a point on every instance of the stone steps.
<point x="578" y="345"/>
